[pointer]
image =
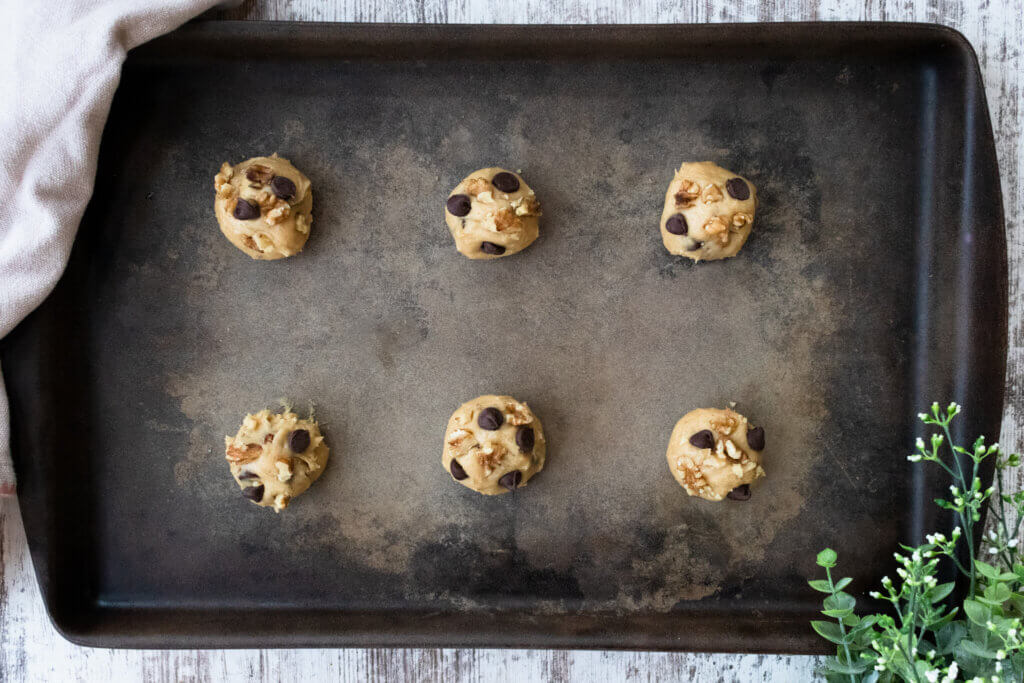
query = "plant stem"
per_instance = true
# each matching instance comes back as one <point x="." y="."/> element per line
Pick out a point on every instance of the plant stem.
<point x="842" y="627"/>
<point x="968" y="526"/>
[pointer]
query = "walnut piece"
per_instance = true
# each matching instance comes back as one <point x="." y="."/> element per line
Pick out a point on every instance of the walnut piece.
<point x="226" y="191"/>
<point x="258" y="173"/>
<point x="302" y="223"/>
<point x="518" y="414"/>
<point x="688" y="192"/>
<point x="224" y="176"/>
<point x="461" y="441"/>
<point x="711" y="194"/>
<point x="281" y="502"/>
<point x="490" y="457"/>
<point x="477" y="185"/>
<point x="239" y="455"/>
<point x="506" y="219"/>
<point x="268" y="438"/>
<point x="526" y="206"/>
<point x="248" y="241"/>
<point x="284" y="468"/>
<point x="717" y="228"/>
<point x="739" y="219"/>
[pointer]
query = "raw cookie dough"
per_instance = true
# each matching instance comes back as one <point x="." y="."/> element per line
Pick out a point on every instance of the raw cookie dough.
<point x="492" y="213"/>
<point x="708" y="213"/>
<point x="264" y="207"/>
<point x="493" y="444"/>
<point x="275" y="457"/>
<point x="716" y="453"/>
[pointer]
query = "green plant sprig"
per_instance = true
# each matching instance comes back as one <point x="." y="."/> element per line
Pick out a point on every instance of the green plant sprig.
<point x="922" y="638"/>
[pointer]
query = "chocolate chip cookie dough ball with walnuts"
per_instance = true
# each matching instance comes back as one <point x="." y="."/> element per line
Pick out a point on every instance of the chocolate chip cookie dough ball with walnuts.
<point x="716" y="454"/>
<point x="264" y="207"/>
<point x="275" y="457"/>
<point x="492" y="213"/>
<point x="709" y="212"/>
<point x="493" y="444"/>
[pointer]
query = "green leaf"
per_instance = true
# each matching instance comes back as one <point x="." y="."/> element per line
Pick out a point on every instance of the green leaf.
<point x="829" y="630"/>
<point x="833" y="664"/>
<point x="941" y="591"/>
<point x="840" y="614"/>
<point x="827" y="558"/>
<point x="949" y="636"/>
<point x="842" y="601"/>
<point x="998" y="593"/>
<point x="976" y="612"/>
<point x="820" y="585"/>
<point x="843" y="583"/>
<point x="986" y="570"/>
<point x="972" y="648"/>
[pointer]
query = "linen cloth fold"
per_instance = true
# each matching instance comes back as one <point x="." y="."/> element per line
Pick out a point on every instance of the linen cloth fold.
<point x="60" y="64"/>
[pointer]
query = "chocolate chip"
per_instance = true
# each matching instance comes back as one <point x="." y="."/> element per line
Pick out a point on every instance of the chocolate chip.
<point x="741" y="492"/>
<point x="253" y="493"/>
<point x="459" y="205"/>
<point x="246" y="210"/>
<point x="248" y="475"/>
<point x="511" y="480"/>
<point x="283" y="188"/>
<point x="755" y="437"/>
<point x="298" y="441"/>
<point x="525" y="438"/>
<point x="492" y="248"/>
<point x="737" y="189"/>
<point x="490" y="419"/>
<point x="703" y="439"/>
<point x="676" y="224"/>
<point x="457" y="471"/>
<point x="692" y="244"/>
<point x="506" y="182"/>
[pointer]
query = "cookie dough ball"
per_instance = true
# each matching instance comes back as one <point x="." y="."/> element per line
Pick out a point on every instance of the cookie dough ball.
<point x="492" y="213"/>
<point x="275" y="457"/>
<point x="708" y="213"/>
<point x="493" y="444"/>
<point x="715" y="454"/>
<point x="264" y="207"/>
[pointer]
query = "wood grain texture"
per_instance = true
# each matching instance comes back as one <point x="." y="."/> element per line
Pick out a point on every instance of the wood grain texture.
<point x="30" y="649"/>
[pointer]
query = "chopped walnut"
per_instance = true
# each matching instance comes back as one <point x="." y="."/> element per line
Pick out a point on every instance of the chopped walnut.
<point x="266" y="200"/>
<point x="688" y="192"/>
<point x="518" y="414"/>
<point x="226" y="191"/>
<point x="302" y="223"/>
<point x="461" y="441"/>
<point x="477" y="185"/>
<point x="490" y="457"/>
<point x="740" y="219"/>
<point x="281" y="502"/>
<point x="277" y="214"/>
<point x="251" y="422"/>
<point x="284" y="469"/>
<point x="263" y="242"/>
<point x="224" y="176"/>
<point x="240" y="455"/>
<point x="506" y="219"/>
<point x="717" y="228"/>
<point x="268" y="438"/>
<point x="248" y="241"/>
<point x="711" y="194"/>
<point x="260" y="174"/>
<point x="526" y="206"/>
<point x="724" y="425"/>
<point x="731" y="450"/>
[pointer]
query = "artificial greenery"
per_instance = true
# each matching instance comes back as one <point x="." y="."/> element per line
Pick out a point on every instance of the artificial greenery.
<point x="922" y="637"/>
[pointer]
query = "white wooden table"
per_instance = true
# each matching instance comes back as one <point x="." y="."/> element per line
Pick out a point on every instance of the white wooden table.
<point x="30" y="649"/>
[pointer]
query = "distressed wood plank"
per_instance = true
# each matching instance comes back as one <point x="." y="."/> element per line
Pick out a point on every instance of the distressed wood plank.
<point x="31" y="650"/>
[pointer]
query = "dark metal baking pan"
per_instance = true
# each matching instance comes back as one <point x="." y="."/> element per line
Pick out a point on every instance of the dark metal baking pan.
<point x="874" y="282"/>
